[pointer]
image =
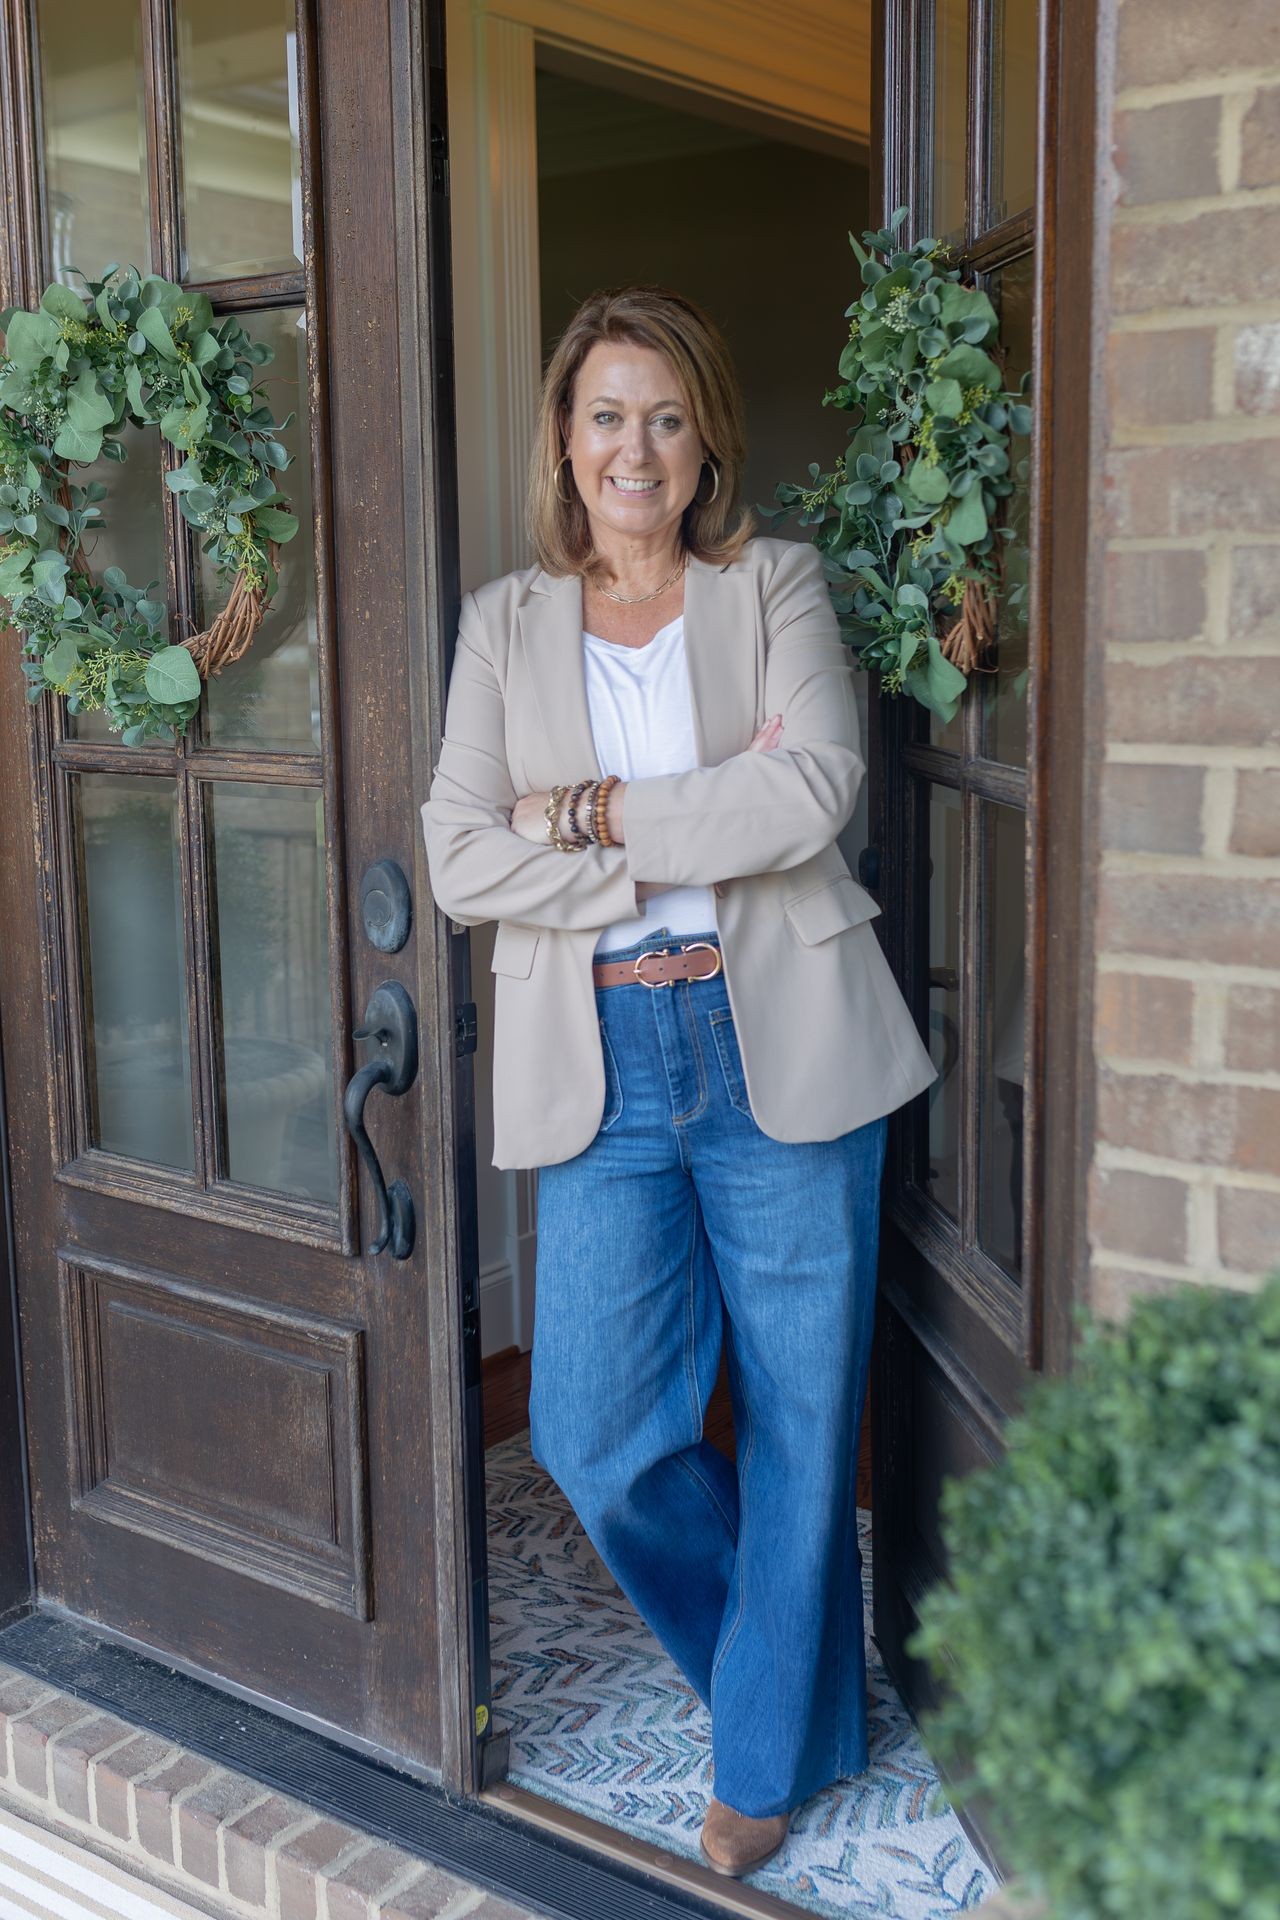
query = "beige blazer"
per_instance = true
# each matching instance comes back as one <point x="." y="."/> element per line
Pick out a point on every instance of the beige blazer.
<point x="826" y="1039"/>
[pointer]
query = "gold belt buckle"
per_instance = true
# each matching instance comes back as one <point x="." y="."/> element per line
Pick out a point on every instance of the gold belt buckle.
<point x="658" y="953"/>
<point x="692" y="947"/>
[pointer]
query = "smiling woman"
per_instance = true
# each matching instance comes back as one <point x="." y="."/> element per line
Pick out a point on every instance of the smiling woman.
<point x="703" y="1151"/>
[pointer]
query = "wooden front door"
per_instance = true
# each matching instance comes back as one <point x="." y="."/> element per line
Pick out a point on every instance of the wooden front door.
<point x="976" y="1280"/>
<point x="242" y="1424"/>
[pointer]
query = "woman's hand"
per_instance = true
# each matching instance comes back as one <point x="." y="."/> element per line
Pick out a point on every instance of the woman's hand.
<point x="529" y="815"/>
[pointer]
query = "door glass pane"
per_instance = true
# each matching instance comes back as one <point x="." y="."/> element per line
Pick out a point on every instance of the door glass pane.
<point x="134" y="980"/>
<point x="271" y="982"/>
<point x="270" y="696"/>
<point x="1003" y="1018"/>
<point x="1012" y="132"/>
<point x="238" y="101"/>
<point x="1005" y="689"/>
<point x="949" y="116"/>
<point x="95" y="141"/>
<point x="942" y="1175"/>
<point x="132" y="537"/>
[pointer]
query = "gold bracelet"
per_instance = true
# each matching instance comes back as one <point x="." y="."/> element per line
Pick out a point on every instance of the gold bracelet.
<point x="552" y="810"/>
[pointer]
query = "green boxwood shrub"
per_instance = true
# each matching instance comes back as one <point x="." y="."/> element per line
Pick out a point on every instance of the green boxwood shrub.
<point x="1108" y="1636"/>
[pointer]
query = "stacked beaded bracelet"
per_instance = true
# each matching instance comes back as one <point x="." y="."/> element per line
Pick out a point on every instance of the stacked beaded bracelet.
<point x="588" y="801"/>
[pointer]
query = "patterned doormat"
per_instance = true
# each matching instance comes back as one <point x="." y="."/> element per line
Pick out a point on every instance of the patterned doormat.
<point x="603" y="1721"/>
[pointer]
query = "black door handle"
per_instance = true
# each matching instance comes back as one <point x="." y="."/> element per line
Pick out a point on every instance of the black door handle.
<point x="389" y="1019"/>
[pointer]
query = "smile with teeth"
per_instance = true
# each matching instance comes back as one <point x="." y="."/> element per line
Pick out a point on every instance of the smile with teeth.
<point x="633" y="486"/>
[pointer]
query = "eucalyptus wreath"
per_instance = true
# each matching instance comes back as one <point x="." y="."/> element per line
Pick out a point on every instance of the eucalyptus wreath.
<point x="909" y="519"/>
<point x="140" y="352"/>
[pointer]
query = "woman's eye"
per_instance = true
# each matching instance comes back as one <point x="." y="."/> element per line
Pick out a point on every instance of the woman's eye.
<point x="601" y="418"/>
<point x="670" y="421"/>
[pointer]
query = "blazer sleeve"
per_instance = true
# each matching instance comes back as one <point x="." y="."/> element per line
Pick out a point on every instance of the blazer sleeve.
<point x="759" y="811"/>
<point x="480" y="870"/>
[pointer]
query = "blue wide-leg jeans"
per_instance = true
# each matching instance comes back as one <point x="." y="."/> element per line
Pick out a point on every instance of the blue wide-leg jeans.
<point x="682" y="1223"/>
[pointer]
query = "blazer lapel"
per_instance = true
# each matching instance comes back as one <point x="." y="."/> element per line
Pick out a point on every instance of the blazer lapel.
<point x="720" y="653"/>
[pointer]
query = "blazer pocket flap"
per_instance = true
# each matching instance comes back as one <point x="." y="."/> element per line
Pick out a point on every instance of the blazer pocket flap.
<point x="514" y="946"/>
<point x="827" y="909"/>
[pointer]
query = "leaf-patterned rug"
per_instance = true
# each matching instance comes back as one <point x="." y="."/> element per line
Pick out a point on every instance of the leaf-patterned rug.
<point x="603" y="1721"/>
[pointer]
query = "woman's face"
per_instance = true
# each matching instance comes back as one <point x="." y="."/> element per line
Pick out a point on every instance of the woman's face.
<point x="636" y="453"/>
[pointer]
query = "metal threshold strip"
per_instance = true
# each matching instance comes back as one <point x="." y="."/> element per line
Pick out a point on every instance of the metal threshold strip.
<point x="506" y="1839"/>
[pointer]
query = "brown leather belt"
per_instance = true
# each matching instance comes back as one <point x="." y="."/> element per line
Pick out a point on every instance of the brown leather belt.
<point x="661" y="966"/>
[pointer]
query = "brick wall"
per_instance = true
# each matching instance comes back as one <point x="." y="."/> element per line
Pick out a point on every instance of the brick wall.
<point x="1186" y="1176"/>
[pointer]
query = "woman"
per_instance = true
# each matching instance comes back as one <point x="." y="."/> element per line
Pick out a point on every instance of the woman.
<point x="650" y="745"/>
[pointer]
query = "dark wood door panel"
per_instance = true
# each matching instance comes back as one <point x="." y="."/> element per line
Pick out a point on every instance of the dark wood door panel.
<point x="244" y="1429"/>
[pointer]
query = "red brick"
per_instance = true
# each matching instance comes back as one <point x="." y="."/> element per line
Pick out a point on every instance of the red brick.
<point x="1249" y="1229"/>
<point x="1260" y="140"/>
<point x="1155" y="596"/>
<point x="1255" y="827"/>
<point x="1255" y="593"/>
<point x="1190" y="916"/>
<point x="1147" y="809"/>
<point x="354" y="1893"/>
<point x="1113" y="1290"/>
<point x="1158" y="41"/>
<point x="201" y="1814"/>
<point x="73" y="1754"/>
<point x="299" y="1861"/>
<point x="245" y="1842"/>
<point x="1195" y="702"/>
<point x="1256" y="354"/>
<point x="1159" y="379"/>
<point x="1208" y="1125"/>
<point x="1161" y="493"/>
<point x="18" y="1694"/>
<point x="113" y="1777"/>
<point x="1144" y="1017"/>
<point x="1216" y="259"/>
<point x="32" y="1735"/>
<point x="153" y="1800"/>
<point x="1140" y="1213"/>
<point x="1168" y="152"/>
<point x="426" y="1897"/>
<point x="1252" y="1040"/>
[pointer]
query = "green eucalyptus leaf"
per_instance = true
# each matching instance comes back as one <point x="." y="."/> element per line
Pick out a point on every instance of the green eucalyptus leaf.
<point x="63" y="302"/>
<point x="61" y="661"/>
<point x="928" y="481"/>
<point x="277" y="525"/>
<point x="30" y="338"/>
<point x="971" y="367"/>
<point x="945" y="397"/>
<point x="154" y="327"/>
<point x="967" y="520"/>
<point x="78" y="443"/>
<point x="171" y="676"/>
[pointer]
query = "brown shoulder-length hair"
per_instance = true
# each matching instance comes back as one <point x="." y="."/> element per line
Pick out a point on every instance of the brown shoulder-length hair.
<point x="646" y="317"/>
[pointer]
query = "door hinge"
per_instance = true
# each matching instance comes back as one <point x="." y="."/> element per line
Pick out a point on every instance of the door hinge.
<point x="464" y="1029"/>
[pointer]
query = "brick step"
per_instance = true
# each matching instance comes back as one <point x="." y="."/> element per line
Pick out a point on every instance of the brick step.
<point x="198" y="1832"/>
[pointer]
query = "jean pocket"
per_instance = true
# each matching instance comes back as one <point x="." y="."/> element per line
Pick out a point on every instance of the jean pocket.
<point x="730" y="1058"/>
<point x="612" y="1080"/>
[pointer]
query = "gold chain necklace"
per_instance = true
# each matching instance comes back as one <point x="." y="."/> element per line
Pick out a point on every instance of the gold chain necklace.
<point x="638" y="599"/>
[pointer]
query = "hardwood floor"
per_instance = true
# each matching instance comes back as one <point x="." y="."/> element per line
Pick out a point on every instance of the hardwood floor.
<point x="506" y="1410"/>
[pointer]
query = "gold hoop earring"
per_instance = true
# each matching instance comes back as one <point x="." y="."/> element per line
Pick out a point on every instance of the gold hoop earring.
<point x="715" y="490"/>
<point x="565" y="501"/>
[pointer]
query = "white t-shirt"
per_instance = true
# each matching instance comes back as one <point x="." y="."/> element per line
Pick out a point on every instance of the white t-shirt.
<point x="642" y="724"/>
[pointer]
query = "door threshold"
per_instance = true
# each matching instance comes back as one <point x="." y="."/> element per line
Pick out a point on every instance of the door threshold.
<point x="675" y="1870"/>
